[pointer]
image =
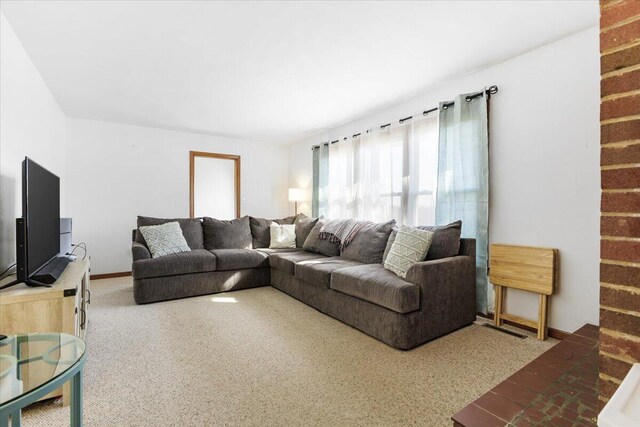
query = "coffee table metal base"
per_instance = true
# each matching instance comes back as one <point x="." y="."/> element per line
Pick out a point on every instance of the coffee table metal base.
<point x="13" y="409"/>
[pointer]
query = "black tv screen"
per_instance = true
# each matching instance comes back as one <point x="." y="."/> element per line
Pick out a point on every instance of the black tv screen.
<point x="41" y="213"/>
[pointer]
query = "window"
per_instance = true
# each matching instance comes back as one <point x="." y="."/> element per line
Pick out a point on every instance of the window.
<point x="423" y="171"/>
<point x="381" y="174"/>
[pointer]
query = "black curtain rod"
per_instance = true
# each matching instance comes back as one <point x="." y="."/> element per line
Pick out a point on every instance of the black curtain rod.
<point x="491" y="90"/>
<point x="424" y="113"/>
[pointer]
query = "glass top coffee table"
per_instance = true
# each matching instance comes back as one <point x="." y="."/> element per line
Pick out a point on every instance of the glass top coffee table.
<point x="34" y="365"/>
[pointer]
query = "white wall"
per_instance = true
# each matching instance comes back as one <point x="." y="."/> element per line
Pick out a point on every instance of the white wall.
<point x="116" y="172"/>
<point x="544" y="154"/>
<point x="31" y="124"/>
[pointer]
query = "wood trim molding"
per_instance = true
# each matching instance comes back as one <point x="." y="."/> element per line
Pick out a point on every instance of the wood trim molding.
<point x="110" y="275"/>
<point x="237" y="186"/>
<point x="553" y="333"/>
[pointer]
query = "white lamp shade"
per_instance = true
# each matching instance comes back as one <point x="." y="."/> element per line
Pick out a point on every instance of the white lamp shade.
<point x="296" y="195"/>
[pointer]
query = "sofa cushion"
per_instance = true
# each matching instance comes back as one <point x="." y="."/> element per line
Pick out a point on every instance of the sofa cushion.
<point x="369" y="243"/>
<point x="313" y="243"/>
<point x="372" y="283"/>
<point x="239" y="259"/>
<point x="260" y="232"/>
<point x="286" y="261"/>
<point x="445" y="244"/>
<point x="196" y="261"/>
<point x="304" y="225"/>
<point x="227" y="234"/>
<point x="317" y="272"/>
<point x="270" y="251"/>
<point x="191" y="229"/>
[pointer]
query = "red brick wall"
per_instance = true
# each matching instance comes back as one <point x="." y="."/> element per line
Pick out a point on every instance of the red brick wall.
<point x="620" y="205"/>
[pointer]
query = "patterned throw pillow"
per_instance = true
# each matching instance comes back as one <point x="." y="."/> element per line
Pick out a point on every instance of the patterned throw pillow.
<point x="445" y="243"/>
<point x="191" y="229"/>
<point x="410" y="247"/>
<point x="164" y="239"/>
<point x="282" y="236"/>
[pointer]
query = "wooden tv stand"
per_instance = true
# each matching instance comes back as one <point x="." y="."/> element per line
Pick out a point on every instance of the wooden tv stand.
<point x="60" y="308"/>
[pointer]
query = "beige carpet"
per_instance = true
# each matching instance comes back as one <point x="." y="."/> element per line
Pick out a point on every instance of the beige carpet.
<point x="260" y="357"/>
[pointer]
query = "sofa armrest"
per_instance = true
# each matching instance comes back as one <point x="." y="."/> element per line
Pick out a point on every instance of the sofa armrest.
<point x="139" y="251"/>
<point x="447" y="286"/>
<point x="468" y="247"/>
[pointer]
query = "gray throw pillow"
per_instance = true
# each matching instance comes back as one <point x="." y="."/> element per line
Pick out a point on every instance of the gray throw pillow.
<point x="369" y="243"/>
<point x="314" y="244"/>
<point x="392" y="237"/>
<point x="227" y="234"/>
<point x="191" y="229"/>
<point x="164" y="239"/>
<point x="304" y="225"/>
<point x="260" y="229"/>
<point x="409" y="248"/>
<point x="445" y="244"/>
<point x="446" y="240"/>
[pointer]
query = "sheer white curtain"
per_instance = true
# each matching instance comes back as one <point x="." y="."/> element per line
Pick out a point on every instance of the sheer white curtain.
<point x="320" y="199"/>
<point x="341" y="185"/>
<point x="422" y="171"/>
<point x="379" y="167"/>
<point x="384" y="174"/>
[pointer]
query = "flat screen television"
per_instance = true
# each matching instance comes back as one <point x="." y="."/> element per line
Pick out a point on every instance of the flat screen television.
<point x="38" y="231"/>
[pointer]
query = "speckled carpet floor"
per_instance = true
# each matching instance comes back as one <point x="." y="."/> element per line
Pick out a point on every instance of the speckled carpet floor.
<point x="260" y="357"/>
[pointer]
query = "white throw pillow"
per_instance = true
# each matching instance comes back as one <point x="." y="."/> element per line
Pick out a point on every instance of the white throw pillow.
<point x="282" y="236"/>
<point x="410" y="247"/>
<point x="164" y="239"/>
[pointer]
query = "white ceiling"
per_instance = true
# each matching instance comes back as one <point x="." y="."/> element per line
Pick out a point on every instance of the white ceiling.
<point x="270" y="71"/>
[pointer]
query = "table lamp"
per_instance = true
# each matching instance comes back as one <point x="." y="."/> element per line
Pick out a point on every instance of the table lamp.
<point x="296" y="195"/>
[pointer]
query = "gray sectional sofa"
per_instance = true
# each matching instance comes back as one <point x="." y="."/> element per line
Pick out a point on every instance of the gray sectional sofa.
<point x="436" y="297"/>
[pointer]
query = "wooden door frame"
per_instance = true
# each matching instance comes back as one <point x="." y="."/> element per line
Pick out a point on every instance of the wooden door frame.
<point x="192" y="161"/>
